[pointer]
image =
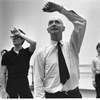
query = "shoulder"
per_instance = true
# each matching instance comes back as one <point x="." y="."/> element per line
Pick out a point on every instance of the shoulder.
<point x="43" y="51"/>
<point x="7" y="53"/>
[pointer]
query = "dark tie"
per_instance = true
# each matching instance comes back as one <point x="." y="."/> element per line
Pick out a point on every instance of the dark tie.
<point x="64" y="74"/>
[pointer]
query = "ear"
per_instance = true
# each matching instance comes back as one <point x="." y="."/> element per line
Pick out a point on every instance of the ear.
<point x="48" y="30"/>
<point x="63" y="28"/>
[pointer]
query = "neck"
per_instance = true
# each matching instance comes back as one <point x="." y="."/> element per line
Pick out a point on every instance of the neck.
<point x="57" y="37"/>
<point x="17" y="48"/>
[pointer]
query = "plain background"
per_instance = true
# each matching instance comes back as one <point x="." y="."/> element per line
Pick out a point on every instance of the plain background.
<point x="28" y="16"/>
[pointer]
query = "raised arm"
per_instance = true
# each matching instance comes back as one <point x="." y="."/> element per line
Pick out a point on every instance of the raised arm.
<point x="32" y="43"/>
<point x="79" y="28"/>
<point x="78" y="22"/>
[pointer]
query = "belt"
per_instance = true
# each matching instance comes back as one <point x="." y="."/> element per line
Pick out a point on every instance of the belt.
<point x="66" y="92"/>
<point x="71" y="91"/>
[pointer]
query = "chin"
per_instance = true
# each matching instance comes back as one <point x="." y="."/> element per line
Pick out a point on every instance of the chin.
<point x="54" y="32"/>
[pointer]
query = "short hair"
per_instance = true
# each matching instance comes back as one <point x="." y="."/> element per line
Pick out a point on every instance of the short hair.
<point x="97" y="45"/>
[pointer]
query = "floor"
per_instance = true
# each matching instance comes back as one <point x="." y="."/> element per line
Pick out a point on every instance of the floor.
<point x="88" y="93"/>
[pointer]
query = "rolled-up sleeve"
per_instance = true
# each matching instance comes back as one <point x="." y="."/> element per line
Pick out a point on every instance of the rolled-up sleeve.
<point x="79" y="28"/>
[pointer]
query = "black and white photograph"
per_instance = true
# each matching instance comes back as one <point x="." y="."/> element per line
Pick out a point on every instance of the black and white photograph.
<point x="49" y="49"/>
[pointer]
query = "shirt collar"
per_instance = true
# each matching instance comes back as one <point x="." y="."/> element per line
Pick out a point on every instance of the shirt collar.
<point x="12" y="49"/>
<point x="55" y="42"/>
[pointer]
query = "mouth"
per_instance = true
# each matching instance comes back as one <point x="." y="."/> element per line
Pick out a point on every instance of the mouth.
<point x="54" y="28"/>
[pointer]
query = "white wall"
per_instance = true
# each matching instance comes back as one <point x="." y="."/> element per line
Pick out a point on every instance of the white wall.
<point x="28" y="15"/>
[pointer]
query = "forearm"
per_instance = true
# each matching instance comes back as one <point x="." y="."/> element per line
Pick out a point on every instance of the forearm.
<point x="71" y="15"/>
<point x="3" y="82"/>
<point x="79" y="28"/>
<point x="29" y="40"/>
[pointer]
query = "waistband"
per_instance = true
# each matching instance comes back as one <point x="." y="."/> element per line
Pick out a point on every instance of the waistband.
<point x="66" y="92"/>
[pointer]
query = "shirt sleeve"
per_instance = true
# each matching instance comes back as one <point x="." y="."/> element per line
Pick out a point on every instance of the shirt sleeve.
<point x="93" y="68"/>
<point x="79" y="28"/>
<point x="4" y="60"/>
<point x="28" y="52"/>
<point x="39" y="76"/>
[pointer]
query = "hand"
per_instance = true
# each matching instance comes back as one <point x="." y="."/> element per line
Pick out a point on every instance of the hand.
<point x="15" y="31"/>
<point x="51" y="7"/>
<point x="4" y="94"/>
<point x="94" y="84"/>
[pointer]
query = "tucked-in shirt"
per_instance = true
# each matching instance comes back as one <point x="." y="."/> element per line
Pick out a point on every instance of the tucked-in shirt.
<point x="95" y="66"/>
<point x="46" y="71"/>
<point x="17" y="63"/>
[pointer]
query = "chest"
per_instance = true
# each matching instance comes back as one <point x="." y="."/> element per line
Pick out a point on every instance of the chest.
<point x="17" y="58"/>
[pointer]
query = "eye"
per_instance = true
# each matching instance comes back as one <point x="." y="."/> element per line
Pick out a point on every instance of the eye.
<point x="50" y="22"/>
<point x="57" y="22"/>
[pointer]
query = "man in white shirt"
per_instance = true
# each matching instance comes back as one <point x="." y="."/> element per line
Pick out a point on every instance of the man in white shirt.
<point x="46" y="72"/>
<point x="96" y="71"/>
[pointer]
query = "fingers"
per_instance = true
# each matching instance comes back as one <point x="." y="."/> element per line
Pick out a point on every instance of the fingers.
<point x="15" y="30"/>
<point x="46" y="6"/>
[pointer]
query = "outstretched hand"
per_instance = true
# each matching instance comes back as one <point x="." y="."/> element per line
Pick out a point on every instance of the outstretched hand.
<point x="51" y="7"/>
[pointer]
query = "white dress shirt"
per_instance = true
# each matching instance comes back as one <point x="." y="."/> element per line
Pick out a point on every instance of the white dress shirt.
<point x="46" y="71"/>
<point x="95" y="66"/>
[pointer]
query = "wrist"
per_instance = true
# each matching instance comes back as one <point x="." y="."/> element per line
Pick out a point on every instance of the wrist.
<point x="60" y="8"/>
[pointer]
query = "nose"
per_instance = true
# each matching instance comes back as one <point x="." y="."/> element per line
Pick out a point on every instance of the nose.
<point x="53" y="23"/>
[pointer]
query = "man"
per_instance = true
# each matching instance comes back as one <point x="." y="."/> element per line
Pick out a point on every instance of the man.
<point x="46" y="72"/>
<point x="16" y="61"/>
<point x="96" y="71"/>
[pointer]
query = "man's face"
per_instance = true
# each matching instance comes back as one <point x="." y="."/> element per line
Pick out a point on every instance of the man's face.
<point x="55" y="26"/>
<point x="16" y="39"/>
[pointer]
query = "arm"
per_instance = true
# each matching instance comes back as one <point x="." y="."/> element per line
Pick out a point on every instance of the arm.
<point x="39" y="91"/>
<point x="79" y="29"/>
<point x="93" y="67"/>
<point x="78" y="22"/>
<point x="3" y="77"/>
<point x="3" y="81"/>
<point x="29" y="40"/>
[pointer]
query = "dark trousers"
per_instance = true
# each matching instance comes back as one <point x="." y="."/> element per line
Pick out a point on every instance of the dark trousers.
<point x="97" y="80"/>
<point x="70" y="94"/>
<point x="18" y="88"/>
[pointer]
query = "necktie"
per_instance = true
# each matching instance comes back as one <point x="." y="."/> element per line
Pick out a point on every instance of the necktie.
<point x="64" y="74"/>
